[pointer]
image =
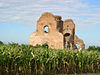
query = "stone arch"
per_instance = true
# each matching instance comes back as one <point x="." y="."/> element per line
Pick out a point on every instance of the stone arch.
<point x="66" y="34"/>
<point x="79" y="42"/>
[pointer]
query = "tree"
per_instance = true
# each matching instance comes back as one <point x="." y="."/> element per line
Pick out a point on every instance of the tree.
<point x="1" y="42"/>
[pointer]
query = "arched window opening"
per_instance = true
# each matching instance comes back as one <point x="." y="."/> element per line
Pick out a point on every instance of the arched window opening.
<point x="67" y="25"/>
<point x="77" y="45"/>
<point x="46" y="29"/>
<point x="45" y="45"/>
<point x="67" y="34"/>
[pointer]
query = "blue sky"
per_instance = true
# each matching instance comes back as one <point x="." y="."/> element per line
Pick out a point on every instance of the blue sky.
<point x="18" y="18"/>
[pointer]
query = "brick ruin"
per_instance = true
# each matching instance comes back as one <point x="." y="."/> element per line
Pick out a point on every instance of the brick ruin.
<point x="54" y="32"/>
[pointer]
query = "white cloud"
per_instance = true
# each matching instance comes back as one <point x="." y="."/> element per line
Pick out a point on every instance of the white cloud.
<point x="3" y="4"/>
<point x="27" y="12"/>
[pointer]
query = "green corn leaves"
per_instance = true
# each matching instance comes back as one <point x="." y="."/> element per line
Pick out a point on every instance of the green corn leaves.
<point x="26" y="59"/>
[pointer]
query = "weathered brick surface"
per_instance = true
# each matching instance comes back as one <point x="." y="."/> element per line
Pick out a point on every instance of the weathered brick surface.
<point x="61" y="34"/>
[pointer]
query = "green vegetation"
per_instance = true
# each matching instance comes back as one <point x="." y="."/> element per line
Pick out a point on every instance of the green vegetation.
<point x="94" y="48"/>
<point x="1" y="43"/>
<point x="26" y="60"/>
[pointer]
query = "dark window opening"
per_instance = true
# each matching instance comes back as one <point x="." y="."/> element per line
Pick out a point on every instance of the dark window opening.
<point x="45" y="45"/>
<point x="67" y="34"/>
<point x="67" y="25"/>
<point x="46" y="29"/>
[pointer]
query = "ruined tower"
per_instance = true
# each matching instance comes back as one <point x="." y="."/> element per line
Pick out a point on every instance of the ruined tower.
<point x="68" y="33"/>
<point x="54" y="32"/>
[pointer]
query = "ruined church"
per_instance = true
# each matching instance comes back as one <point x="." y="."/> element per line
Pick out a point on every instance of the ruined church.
<point x="54" y="32"/>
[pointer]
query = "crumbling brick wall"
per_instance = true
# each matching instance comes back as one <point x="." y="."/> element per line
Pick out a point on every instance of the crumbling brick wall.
<point x="55" y="32"/>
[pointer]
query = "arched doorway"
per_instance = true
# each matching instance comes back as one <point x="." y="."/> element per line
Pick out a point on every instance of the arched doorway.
<point x="45" y="45"/>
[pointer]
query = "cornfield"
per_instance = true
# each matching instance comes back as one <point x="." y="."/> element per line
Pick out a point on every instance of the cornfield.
<point x="28" y="60"/>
